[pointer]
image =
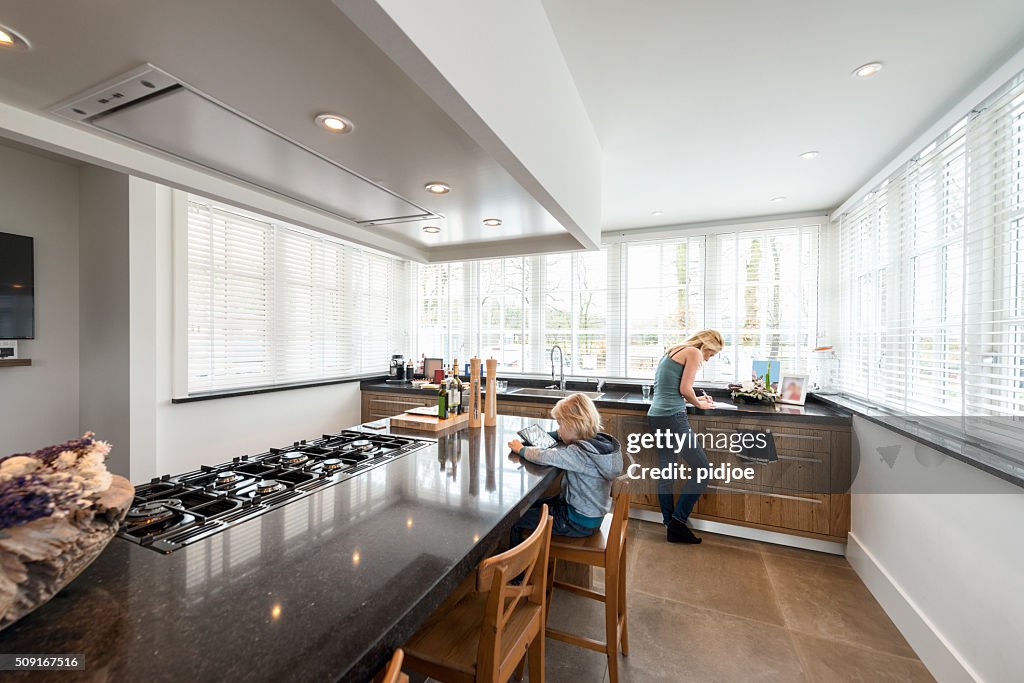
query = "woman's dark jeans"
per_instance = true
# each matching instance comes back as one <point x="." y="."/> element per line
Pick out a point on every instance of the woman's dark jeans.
<point x="691" y="453"/>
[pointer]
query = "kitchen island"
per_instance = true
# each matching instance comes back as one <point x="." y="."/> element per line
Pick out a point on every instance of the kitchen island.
<point x="321" y="589"/>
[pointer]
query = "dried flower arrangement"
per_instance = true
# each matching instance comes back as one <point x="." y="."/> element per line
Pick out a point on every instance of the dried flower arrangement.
<point x="59" y="507"/>
<point x="756" y="390"/>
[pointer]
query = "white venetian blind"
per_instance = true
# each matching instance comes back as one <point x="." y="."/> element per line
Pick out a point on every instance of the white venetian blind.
<point x="613" y="312"/>
<point x="931" y="268"/>
<point x="272" y="304"/>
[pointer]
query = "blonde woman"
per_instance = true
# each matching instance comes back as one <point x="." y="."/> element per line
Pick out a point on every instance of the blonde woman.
<point x="591" y="460"/>
<point x="673" y="388"/>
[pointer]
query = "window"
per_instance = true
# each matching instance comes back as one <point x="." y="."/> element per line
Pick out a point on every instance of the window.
<point x="272" y="304"/>
<point x="613" y="312"/>
<point x="931" y="270"/>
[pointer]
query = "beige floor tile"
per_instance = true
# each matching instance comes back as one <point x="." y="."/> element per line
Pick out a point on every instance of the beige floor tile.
<point x="827" y="661"/>
<point x="711" y="575"/>
<point x="564" y="662"/>
<point x="805" y="555"/>
<point x="673" y="642"/>
<point x="832" y="602"/>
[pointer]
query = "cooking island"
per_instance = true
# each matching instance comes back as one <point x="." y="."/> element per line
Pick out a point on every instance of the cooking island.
<point x="321" y="588"/>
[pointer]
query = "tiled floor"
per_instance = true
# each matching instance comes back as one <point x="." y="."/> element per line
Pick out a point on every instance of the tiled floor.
<point x="736" y="610"/>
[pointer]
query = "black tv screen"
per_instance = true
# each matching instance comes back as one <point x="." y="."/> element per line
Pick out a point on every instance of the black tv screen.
<point x="17" y="287"/>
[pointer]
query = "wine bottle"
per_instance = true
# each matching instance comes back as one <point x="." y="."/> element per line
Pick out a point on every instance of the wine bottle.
<point x="442" y="402"/>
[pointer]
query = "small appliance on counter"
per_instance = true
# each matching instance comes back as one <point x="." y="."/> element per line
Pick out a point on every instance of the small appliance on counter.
<point x="396" y="372"/>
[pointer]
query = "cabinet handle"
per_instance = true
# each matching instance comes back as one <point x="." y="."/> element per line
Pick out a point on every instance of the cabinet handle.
<point x="816" y="461"/>
<point x="798" y="498"/>
<point x="805" y="437"/>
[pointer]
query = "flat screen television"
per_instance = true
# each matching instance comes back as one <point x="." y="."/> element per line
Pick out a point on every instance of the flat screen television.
<point x="17" y="287"/>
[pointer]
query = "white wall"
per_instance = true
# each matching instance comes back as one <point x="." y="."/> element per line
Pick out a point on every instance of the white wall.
<point x="186" y="435"/>
<point x="103" y="308"/>
<point x="39" y="404"/>
<point x="945" y="565"/>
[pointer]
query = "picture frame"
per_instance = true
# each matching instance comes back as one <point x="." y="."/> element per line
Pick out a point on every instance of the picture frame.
<point x="793" y="388"/>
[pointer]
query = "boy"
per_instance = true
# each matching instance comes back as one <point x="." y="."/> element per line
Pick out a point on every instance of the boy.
<point x="591" y="460"/>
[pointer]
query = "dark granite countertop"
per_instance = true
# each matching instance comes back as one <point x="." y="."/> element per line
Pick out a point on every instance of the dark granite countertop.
<point x="623" y="397"/>
<point x="322" y="589"/>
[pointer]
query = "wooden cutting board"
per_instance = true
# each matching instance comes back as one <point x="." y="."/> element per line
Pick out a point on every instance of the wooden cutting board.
<point x="428" y="423"/>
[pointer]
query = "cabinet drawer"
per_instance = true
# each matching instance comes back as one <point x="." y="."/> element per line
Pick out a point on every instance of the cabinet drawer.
<point x="799" y="511"/>
<point x="807" y="440"/>
<point x="395" y="404"/>
<point x="540" y="412"/>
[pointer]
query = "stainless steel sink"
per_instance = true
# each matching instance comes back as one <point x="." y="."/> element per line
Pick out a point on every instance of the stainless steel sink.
<point x="553" y="393"/>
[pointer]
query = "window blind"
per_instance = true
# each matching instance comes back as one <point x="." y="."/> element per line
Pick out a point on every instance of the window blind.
<point x="931" y="279"/>
<point x="272" y="304"/>
<point x="613" y="312"/>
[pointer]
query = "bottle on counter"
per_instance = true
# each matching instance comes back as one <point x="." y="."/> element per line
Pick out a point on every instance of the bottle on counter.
<point x="458" y="387"/>
<point x="409" y="369"/>
<point x="442" y="402"/>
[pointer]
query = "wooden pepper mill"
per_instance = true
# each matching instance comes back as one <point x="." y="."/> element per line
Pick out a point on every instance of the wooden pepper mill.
<point x="491" y="398"/>
<point x="474" y="392"/>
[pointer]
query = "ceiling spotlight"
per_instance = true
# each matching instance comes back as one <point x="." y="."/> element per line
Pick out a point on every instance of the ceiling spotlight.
<point x="778" y="199"/>
<point x="334" y="123"/>
<point x="657" y="213"/>
<point x="868" y="70"/>
<point x="431" y="229"/>
<point x="492" y="222"/>
<point x="807" y="156"/>
<point x="438" y="188"/>
<point x="11" y="38"/>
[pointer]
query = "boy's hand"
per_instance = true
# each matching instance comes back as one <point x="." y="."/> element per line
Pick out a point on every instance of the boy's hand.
<point x="515" y="445"/>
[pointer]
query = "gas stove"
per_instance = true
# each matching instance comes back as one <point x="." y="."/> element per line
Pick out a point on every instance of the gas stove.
<point x="170" y="512"/>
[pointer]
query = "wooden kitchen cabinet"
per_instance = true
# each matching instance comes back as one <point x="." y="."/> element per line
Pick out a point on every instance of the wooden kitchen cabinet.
<point x="377" y="405"/>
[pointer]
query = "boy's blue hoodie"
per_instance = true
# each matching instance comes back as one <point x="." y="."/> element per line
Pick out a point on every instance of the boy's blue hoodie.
<point x="590" y="466"/>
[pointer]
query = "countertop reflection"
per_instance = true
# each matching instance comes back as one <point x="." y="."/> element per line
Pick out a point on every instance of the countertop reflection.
<point x="323" y="588"/>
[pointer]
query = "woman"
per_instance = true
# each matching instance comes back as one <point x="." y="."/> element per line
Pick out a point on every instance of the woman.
<point x="673" y="387"/>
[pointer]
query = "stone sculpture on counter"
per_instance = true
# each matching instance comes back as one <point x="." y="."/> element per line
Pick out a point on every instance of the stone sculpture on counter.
<point x="59" y="507"/>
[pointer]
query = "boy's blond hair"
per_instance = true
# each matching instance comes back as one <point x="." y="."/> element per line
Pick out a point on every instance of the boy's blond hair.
<point x="579" y="414"/>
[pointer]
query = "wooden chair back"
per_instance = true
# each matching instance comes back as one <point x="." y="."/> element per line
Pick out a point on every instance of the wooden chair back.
<point x="393" y="673"/>
<point x="529" y="558"/>
<point x="616" y="541"/>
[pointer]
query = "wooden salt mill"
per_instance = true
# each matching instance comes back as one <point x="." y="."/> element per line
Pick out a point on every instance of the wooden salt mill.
<point x="474" y="392"/>
<point x="491" y="397"/>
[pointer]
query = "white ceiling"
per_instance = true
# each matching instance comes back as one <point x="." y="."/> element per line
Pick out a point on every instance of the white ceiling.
<point x="281" y="63"/>
<point x="702" y="108"/>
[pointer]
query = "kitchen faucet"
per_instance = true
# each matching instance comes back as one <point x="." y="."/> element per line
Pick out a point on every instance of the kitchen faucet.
<point x="561" y="366"/>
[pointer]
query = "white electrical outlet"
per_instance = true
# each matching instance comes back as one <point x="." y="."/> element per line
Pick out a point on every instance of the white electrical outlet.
<point x="8" y="350"/>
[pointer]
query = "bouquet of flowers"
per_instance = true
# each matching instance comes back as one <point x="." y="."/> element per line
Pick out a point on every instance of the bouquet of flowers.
<point x="59" y="507"/>
<point x="756" y="390"/>
<point x="53" y="481"/>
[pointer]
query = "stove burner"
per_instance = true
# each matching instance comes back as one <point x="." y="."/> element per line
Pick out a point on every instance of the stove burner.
<point x="227" y="477"/>
<point x="361" y="445"/>
<point x="265" y="486"/>
<point x="293" y="458"/>
<point x="333" y="465"/>
<point x="154" y="511"/>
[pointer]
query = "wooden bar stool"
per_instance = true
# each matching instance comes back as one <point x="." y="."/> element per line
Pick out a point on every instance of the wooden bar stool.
<point x="605" y="548"/>
<point x="482" y="634"/>
<point x="393" y="674"/>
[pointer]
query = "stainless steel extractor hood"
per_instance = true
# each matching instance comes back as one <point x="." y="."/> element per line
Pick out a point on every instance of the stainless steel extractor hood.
<point x="155" y="109"/>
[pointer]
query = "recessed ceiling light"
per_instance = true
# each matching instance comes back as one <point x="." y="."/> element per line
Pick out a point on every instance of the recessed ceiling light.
<point x="11" y="38"/>
<point x="657" y="213"/>
<point x="778" y="199"/>
<point x="492" y="222"/>
<point x="868" y="70"/>
<point x="431" y="229"/>
<point x="334" y="123"/>
<point x="438" y="188"/>
<point x="807" y="156"/>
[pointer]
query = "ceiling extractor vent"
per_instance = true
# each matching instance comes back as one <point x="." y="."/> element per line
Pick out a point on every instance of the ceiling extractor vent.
<point x="153" y="108"/>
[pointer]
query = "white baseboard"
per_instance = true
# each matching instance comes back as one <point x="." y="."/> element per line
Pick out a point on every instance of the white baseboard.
<point x="937" y="654"/>
<point x="738" y="531"/>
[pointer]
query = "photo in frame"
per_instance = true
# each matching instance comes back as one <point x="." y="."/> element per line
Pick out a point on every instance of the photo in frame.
<point x="793" y="388"/>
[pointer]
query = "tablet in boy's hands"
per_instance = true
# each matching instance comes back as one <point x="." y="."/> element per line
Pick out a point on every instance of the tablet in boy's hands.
<point x="535" y="436"/>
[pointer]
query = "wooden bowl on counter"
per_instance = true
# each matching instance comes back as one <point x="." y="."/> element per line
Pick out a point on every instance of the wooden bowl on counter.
<point x="40" y="558"/>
